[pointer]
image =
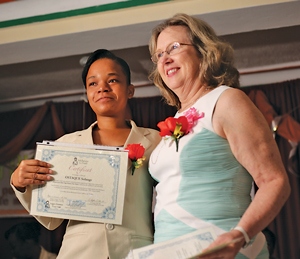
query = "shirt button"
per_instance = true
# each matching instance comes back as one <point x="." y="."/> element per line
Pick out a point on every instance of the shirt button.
<point x="110" y="226"/>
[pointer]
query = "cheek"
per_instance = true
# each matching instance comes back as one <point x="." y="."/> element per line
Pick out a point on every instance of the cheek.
<point x="192" y="67"/>
<point x="160" y="71"/>
<point x="90" y="94"/>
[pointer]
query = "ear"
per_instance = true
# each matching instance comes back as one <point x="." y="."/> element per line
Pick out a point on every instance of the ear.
<point x="130" y="91"/>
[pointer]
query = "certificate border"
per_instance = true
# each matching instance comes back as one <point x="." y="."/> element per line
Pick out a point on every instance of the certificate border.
<point x="108" y="214"/>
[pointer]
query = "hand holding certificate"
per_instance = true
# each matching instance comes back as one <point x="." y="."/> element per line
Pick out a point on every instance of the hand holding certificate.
<point x="214" y="249"/>
<point x="88" y="183"/>
<point x="189" y="246"/>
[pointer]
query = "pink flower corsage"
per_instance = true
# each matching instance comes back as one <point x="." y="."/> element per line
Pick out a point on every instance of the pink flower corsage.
<point x="192" y="116"/>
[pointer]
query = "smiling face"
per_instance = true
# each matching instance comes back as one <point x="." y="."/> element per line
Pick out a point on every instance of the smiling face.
<point x="107" y="88"/>
<point x="180" y="72"/>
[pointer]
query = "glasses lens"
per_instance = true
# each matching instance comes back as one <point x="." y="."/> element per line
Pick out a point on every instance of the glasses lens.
<point x="173" y="48"/>
<point x="156" y="56"/>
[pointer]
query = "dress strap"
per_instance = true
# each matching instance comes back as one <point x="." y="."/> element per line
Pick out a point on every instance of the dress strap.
<point x="207" y="105"/>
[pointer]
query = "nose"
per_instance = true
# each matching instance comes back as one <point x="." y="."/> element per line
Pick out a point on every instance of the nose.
<point x="103" y="87"/>
<point x="165" y="58"/>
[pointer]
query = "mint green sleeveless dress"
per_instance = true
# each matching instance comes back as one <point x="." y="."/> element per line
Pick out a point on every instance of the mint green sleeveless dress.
<point x="202" y="184"/>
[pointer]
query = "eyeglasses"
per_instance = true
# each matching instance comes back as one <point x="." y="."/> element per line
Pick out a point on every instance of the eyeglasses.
<point x="172" y="49"/>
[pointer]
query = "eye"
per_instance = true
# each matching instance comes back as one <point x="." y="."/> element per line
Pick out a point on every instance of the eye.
<point x="92" y="84"/>
<point x="113" y="81"/>
<point x="159" y="54"/>
<point x="173" y="47"/>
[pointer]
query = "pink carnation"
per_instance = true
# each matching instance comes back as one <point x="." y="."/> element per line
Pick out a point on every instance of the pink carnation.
<point x="192" y="116"/>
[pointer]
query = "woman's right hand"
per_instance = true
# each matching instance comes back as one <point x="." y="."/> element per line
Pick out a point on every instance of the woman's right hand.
<point x="31" y="171"/>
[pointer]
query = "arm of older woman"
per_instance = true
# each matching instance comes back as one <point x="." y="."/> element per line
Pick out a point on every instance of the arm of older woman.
<point x="241" y="123"/>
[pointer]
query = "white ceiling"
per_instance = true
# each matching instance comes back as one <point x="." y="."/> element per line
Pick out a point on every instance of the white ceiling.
<point x="264" y="36"/>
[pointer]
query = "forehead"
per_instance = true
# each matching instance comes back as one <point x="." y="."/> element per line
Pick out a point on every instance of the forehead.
<point x="177" y="33"/>
<point x="106" y="66"/>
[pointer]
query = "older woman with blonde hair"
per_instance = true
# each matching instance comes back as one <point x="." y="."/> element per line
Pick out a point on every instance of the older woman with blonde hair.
<point x="217" y="144"/>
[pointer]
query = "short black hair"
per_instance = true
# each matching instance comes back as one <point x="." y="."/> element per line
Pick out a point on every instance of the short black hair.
<point x="25" y="231"/>
<point x="101" y="54"/>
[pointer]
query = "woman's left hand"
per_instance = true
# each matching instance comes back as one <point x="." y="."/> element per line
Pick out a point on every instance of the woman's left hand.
<point x="228" y="252"/>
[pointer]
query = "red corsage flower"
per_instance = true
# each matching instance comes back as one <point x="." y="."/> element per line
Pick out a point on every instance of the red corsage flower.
<point x="135" y="154"/>
<point x="177" y="128"/>
<point x="174" y="127"/>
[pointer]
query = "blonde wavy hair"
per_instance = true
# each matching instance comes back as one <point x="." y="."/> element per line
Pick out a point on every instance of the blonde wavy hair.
<point x="216" y="66"/>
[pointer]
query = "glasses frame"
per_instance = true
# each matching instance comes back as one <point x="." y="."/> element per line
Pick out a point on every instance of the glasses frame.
<point x="153" y="57"/>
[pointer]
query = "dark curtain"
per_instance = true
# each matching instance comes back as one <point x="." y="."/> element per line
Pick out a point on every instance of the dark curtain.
<point x="147" y="112"/>
<point x="22" y="129"/>
<point x="284" y="98"/>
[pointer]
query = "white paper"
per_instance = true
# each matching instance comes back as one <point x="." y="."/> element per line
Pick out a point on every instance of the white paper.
<point x="183" y="247"/>
<point x="89" y="184"/>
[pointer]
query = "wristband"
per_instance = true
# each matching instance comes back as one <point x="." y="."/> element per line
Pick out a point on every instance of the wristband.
<point x="247" y="239"/>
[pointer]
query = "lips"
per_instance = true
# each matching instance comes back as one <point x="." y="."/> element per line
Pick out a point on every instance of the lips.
<point x="104" y="98"/>
<point x="172" y="71"/>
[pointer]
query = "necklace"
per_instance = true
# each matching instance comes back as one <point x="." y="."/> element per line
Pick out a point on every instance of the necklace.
<point x="190" y="104"/>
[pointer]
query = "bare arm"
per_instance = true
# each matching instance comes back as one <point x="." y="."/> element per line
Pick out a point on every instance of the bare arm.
<point x="241" y="123"/>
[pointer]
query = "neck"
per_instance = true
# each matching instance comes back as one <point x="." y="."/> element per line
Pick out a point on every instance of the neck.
<point x="191" y="98"/>
<point x="111" y="131"/>
<point x="111" y="123"/>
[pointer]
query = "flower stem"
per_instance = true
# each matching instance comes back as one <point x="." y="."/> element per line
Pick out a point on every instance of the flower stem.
<point x="176" y="141"/>
<point x="133" y="169"/>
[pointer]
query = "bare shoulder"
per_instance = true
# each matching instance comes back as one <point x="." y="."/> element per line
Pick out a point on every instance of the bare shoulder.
<point x="234" y="98"/>
<point x="235" y="111"/>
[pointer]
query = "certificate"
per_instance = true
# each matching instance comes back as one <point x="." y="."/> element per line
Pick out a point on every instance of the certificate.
<point x="88" y="183"/>
<point x="183" y="247"/>
<point x="189" y="246"/>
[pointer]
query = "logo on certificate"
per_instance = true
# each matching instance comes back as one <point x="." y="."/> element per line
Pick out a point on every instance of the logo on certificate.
<point x="75" y="162"/>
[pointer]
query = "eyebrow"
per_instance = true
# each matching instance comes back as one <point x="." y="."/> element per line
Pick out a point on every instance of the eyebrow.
<point x="113" y="74"/>
<point x="90" y="77"/>
<point x="109" y="74"/>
